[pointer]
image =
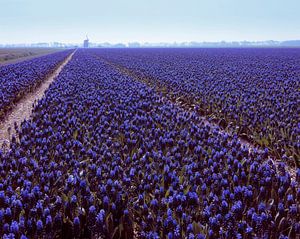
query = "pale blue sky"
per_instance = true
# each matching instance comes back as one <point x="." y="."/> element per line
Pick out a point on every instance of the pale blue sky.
<point x="25" y="21"/>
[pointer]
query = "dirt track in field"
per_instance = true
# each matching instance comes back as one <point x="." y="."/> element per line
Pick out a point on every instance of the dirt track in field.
<point x="23" y="109"/>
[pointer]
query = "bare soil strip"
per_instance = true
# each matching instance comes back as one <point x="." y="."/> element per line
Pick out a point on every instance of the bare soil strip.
<point x="17" y="55"/>
<point x="23" y="108"/>
<point x="204" y="120"/>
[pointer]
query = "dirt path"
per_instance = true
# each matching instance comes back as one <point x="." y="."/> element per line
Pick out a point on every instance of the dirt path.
<point x="23" y="108"/>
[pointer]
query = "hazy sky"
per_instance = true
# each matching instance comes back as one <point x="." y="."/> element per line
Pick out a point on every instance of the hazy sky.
<point x="24" y="21"/>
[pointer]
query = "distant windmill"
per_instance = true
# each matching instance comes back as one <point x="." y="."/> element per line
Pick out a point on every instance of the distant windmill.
<point x="86" y="42"/>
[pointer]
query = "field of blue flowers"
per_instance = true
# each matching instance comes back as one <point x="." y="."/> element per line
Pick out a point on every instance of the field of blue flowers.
<point x="111" y="153"/>
<point x="254" y="92"/>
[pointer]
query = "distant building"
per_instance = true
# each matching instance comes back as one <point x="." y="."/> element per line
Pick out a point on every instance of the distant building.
<point x="86" y="43"/>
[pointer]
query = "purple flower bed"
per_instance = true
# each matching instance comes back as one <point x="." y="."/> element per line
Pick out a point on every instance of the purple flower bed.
<point x="20" y="78"/>
<point x="105" y="156"/>
<point x="254" y="92"/>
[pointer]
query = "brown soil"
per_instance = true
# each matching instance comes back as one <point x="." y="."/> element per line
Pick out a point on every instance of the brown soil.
<point x="15" y="55"/>
<point x="22" y="110"/>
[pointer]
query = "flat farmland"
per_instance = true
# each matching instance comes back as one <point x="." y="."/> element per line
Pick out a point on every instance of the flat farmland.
<point x="13" y="55"/>
<point x="151" y="143"/>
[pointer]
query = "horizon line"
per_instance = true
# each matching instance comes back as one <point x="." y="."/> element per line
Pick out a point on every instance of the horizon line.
<point x="152" y="42"/>
<point x="191" y="44"/>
